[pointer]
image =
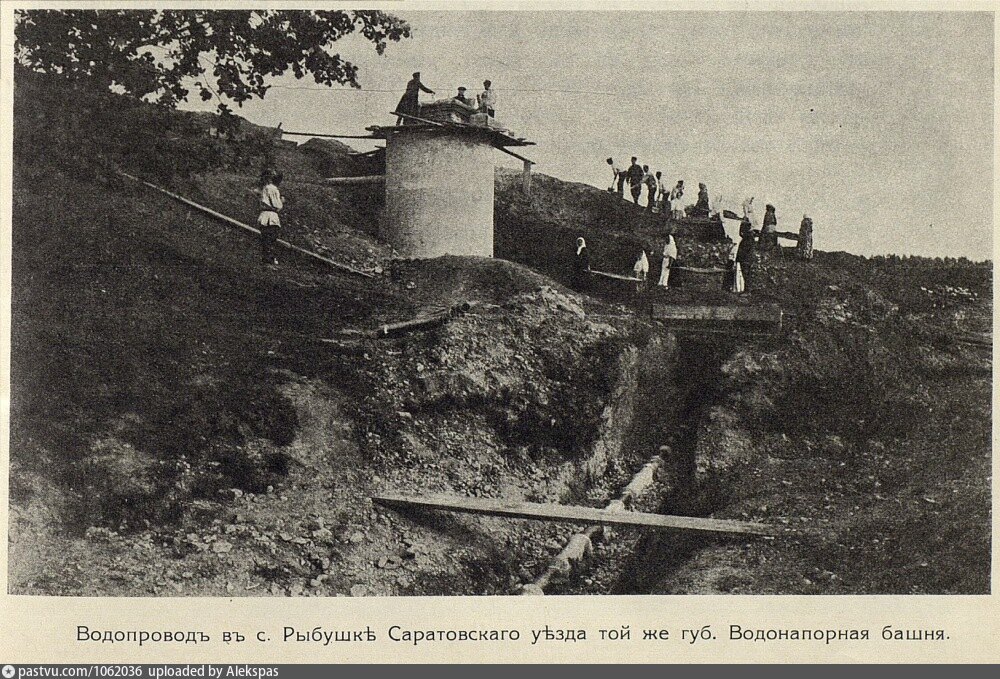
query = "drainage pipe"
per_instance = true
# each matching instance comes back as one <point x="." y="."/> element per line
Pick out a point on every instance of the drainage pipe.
<point x="580" y="545"/>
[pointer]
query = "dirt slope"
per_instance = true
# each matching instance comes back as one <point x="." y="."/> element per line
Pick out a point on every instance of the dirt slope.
<point x="185" y="420"/>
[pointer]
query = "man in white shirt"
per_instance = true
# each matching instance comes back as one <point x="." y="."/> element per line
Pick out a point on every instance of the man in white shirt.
<point x="617" y="177"/>
<point x="269" y="221"/>
<point x="663" y="197"/>
<point x="488" y="100"/>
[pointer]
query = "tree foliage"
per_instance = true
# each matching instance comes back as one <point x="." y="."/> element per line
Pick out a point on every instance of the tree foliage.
<point x="161" y="55"/>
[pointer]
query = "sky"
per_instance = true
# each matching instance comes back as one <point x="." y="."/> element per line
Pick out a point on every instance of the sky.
<point x="878" y="125"/>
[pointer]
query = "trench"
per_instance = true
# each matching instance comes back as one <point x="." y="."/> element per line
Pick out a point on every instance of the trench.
<point x="697" y="379"/>
<point x="679" y="380"/>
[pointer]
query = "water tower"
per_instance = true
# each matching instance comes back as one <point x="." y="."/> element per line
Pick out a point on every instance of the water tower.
<point x="439" y="176"/>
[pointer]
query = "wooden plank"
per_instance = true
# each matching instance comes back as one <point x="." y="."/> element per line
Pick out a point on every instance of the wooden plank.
<point x="407" y="116"/>
<point x="767" y="313"/>
<point x="615" y="276"/>
<point x="516" y="155"/>
<point x="572" y="514"/>
<point x="328" y="136"/>
<point x="369" y="179"/>
<point x="697" y="269"/>
<point x="787" y="234"/>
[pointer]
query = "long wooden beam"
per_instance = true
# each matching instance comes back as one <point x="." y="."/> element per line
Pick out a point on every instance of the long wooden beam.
<point x="698" y="269"/>
<point x="328" y="136"/>
<point x="246" y="227"/>
<point x="617" y="277"/>
<point x="369" y="179"/>
<point x="516" y="155"/>
<point x="572" y="514"/>
<point x="765" y="313"/>
<point x="407" y="116"/>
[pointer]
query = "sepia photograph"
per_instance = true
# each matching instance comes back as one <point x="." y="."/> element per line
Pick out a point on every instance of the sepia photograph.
<point x="404" y="302"/>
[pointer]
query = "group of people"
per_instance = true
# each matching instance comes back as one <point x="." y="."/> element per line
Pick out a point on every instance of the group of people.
<point x="409" y="103"/>
<point x="660" y="196"/>
<point x="641" y="267"/>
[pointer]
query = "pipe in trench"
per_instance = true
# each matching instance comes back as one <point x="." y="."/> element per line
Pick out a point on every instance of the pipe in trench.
<point x="580" y="545"/>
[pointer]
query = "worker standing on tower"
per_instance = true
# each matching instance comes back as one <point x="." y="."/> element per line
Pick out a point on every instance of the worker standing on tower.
<point x="409" y="103"/>
<point x="488" y="100"/>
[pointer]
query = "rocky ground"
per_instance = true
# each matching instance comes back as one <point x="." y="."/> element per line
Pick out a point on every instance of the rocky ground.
<point x="187" y="421"/>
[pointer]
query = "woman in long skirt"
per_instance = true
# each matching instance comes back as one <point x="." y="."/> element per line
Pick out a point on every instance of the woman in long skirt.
<point x="581" y="265"/>
<point x="669" y="255"/>
<point x="641" y="270"/>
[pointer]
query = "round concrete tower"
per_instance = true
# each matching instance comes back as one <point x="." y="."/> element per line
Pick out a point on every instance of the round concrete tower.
<point x="438" y="192"/>
<point x="439" y="174"/>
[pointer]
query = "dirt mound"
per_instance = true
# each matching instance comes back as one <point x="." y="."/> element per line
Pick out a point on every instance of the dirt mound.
<point x="535" y="369"/>
<point x="185" y="420"/>
<point x="451" y="279"/>
<point x="335" y="159"/>
<point x="541" y="230"/>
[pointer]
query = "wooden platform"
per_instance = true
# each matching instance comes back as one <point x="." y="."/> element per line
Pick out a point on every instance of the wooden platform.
<point x="572" y="514"/>
<point x="764" y="318"/>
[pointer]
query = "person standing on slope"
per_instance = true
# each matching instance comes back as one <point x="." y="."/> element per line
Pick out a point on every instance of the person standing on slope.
<point x="676" y="209"/>
<point x="641" y="271"/>
<point x="635" y="175"/>
<point x="618" y="177"/>
<point x="669" y="256"/>
<point x="268" y="220"/>
<point x="582" y="263"/>
<point x="746" y="253"/>
<point x="649" y="179"/>
<point x="769" y="231"/>
<point x="663" y="197"/>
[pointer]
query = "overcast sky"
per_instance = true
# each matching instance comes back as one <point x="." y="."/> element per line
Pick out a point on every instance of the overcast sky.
<point x="879" y="126"/>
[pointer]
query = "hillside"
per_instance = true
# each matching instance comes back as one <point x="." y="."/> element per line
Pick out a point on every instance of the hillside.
<point x="186" y="421"/>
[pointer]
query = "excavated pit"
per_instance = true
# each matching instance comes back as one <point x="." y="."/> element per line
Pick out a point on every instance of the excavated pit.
<point x="678" y="382"/>
<point x="698" y="386"/>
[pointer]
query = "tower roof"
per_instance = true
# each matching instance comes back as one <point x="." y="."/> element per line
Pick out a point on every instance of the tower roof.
<point x="452" y="115"/>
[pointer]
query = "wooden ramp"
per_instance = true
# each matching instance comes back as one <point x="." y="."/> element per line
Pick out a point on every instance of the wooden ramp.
<point x="614" y="276"/>
<point x="764" y="318"/>
<point x="568" y="513"/>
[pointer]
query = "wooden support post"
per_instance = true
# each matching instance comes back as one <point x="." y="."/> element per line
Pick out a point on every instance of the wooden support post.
<point x="805" y="246"/>
<point x="546" y="512"/>
<point x="526" y="178"/>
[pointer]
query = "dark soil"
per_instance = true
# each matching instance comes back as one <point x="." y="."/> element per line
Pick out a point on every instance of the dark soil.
<point x="185" y="420"/>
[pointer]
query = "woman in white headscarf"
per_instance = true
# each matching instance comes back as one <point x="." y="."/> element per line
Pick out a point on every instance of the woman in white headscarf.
<point x="669" y="255"/>
<point x="676" y="194"/>
<point x="733" y="281"/>
<point x="641" y="270"/>
<point x="582" y="265"/>
<point x="749" y="213"/>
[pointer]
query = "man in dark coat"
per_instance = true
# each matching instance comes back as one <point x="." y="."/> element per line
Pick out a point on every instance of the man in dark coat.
<point x="746" y="253"/>
<point x="409" y="103"/>
<point x="635" y="174"/>
<point x="701" y="208"/>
